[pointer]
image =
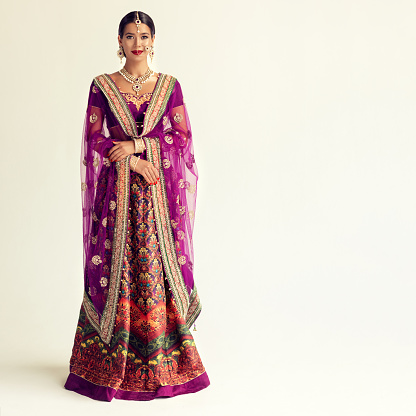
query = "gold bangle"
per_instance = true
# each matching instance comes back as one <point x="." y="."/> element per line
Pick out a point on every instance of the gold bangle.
<point x="139" y="145"/>
<point x="137" y="160"/>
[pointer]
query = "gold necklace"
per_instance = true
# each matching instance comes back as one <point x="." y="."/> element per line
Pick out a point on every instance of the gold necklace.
<point x="137" y="82"/>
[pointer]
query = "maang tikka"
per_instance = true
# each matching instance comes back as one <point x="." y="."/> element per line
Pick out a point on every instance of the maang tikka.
<point x="138" y="22"/>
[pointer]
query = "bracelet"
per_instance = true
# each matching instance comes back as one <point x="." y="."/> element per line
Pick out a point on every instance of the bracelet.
<point x="139" y="146"/>
<point x="137" y="160"/>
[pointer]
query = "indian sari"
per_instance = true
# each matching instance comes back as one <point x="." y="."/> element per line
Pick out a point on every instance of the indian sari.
<point x="133" y="338"/>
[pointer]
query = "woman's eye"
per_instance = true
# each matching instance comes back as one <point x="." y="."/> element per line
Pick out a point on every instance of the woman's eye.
<point x="144" y="37"/>
<point x="129" y="37"/>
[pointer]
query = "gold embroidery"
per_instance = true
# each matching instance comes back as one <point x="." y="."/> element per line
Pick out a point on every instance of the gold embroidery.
<point x="107" y="244"/>
<point x="96" y="162"/>
<point x="105" y="222"/>
<point x="112" y="205"/>
<point x="94" y="240"/>
<point x="103" y="281"/>
<point x="94" y="89"/>
<point x="182" y="260"/>
<point x="166" y="163"/>
<point x="96" y="260"/>
<point x="182" y="210"/>
<point x="95" y="184"/>
<point x="165" y="120"/>
<point x="181" y="235"/>
<point x="83" y="186"/>
<point x="168" y="139"/>
<point x="174" y="224"/>
<point x="137" y="101"/>
<point x="181" y="183"/>
<point x="178" y="117"/>
<point x="106" y="161"/>
<point x="192" y="189"/>
<point x="93" y="118"/>
<point x="191" y="214"/>
<point x="94" y="216"/>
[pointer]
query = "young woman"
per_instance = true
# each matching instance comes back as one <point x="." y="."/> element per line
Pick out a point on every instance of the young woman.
<point x="139" y="177"/>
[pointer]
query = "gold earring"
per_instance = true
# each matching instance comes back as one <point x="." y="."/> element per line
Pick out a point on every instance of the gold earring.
<point x="152" y="53"/>
<point x="120" y="53"/>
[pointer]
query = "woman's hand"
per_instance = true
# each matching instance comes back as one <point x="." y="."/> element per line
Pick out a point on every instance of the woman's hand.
<point x="148" y="171"/>
<point x="120" y="150"/>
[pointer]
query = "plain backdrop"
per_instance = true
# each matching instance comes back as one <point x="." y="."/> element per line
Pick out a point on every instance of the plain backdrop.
<point x="304" y="133"/>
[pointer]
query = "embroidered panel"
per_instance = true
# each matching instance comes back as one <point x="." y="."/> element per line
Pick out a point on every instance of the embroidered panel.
<point x="166" y="238"/>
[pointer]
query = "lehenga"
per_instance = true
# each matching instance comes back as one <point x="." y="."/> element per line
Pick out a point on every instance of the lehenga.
<point x="133" y="338"/>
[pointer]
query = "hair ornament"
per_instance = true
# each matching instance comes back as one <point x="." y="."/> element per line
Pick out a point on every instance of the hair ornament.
<point x="138" y="22"/>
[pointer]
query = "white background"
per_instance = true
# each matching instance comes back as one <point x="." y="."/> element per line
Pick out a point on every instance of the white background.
<point x="303" y="121"/>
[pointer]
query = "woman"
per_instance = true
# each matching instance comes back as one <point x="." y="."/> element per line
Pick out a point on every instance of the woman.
<point x="138" y="172"/>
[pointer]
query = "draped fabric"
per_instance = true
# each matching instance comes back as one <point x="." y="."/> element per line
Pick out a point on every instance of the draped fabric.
<point x="105" y="195"/>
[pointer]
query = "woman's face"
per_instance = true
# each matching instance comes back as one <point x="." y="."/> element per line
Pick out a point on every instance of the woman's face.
<point x="134" y="43"/>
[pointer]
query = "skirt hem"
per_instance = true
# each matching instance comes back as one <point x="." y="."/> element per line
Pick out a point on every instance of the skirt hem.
<point x="86" y="388"/>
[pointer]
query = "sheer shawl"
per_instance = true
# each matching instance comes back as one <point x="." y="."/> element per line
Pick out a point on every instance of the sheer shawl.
<point x="105" y="196"/>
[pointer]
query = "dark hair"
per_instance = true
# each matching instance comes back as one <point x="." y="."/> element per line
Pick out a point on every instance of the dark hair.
<point x="131" y="18"/>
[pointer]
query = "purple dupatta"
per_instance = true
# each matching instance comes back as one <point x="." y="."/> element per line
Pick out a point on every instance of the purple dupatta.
<point x="105" y="196"/>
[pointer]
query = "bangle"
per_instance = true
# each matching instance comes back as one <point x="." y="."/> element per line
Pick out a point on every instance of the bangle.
<point x="139" y="145"/>
<point x="137" y="160"/>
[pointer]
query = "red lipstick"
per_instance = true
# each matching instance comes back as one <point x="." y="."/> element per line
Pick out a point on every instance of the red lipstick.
<point x="137" y="52"/>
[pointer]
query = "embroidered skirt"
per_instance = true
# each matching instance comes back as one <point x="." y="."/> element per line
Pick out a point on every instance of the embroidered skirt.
<point x="152" y="353"/>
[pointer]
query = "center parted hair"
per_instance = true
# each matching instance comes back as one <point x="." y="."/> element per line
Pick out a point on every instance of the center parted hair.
<point x="131" y="18"/>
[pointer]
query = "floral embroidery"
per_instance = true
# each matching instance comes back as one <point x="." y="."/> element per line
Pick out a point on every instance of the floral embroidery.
<point x="174" y="224"/>
<point x="106" y="161"/>
<point x="165" y="120"/>
<point x="93" y="291"/>
<point x="96" y="162"/>
<point x="83" y="186"/>
<point x="94" y="89"/>
<point x="112" y="205"/>
<point x="168" y="139"/>
<point x="182" y="210"/>
<point x="182" y="260"/>
<point x="191" y="189"/>
<point x="94" y="216"/>
<point x="181" y="235"/>
<point x="181" y="183"/>
<point x="94" y="240"/>
<point x="166" y="163"/>
<point x="178" y="117"/>
<point x="191" y="214"/>
<point x="103" y="281"/>
<point x="104" y="222"/>
<point x="93" y="118"/>
<point x="96" y="260"/>
<point x="137" y="101"/>
<point x="107" y="244"/>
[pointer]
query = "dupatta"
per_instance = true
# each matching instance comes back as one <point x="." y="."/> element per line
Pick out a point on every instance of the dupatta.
<point x="105" y="190"/>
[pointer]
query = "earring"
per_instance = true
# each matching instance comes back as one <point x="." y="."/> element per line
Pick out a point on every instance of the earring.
<point x="120" y="53"/>
<point x="152" y="53"/>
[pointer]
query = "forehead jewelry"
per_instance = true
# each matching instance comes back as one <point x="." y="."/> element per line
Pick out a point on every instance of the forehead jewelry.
<point x="138" y="22"/>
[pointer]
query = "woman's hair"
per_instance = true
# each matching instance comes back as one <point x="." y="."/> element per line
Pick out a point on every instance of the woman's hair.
<point x="131" y="18"/>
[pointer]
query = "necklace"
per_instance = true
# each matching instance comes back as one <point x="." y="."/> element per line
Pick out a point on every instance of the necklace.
<point x="137" y="82"/>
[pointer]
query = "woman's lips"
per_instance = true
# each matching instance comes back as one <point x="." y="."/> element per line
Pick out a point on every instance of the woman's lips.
<point x="137" y="52"/>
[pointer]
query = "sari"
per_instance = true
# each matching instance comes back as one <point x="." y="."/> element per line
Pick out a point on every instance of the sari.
<point x="140" y="300"/>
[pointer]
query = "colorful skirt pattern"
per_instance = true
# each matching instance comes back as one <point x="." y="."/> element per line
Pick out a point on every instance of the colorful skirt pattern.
<point x="152" y="353"/>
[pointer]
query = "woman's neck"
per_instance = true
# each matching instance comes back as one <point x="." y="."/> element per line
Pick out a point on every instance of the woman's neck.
<point x="136" y="69"/>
